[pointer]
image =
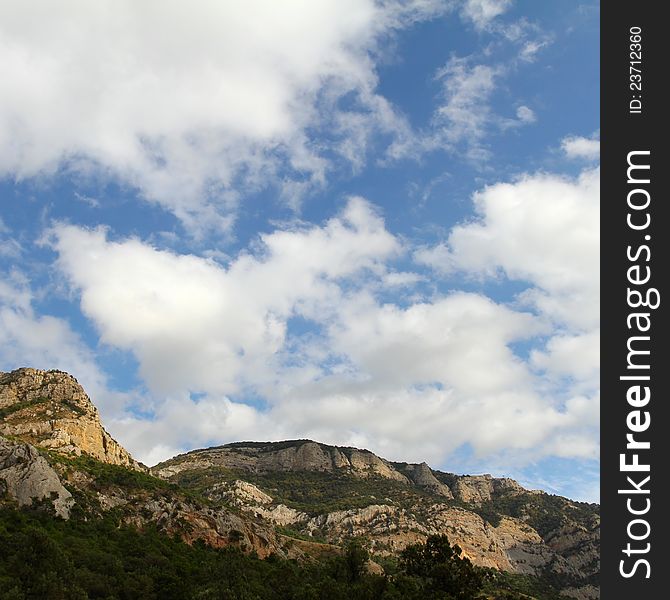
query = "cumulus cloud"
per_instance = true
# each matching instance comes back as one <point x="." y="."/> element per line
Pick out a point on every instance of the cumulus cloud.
<point x="197" y="326"/>
<point x="409" y="381"/>
<point x="542" y="229"/>
<point x="47" y="342"/>
<point x="188" y="102"/>
<point x="576" y="356"/>
<point x="578" y="147"/>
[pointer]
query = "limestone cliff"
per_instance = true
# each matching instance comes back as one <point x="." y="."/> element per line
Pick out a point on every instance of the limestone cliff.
<point x="50" y="409"/>
<point x="482" y="488"/>
<point x="422" y="476"/>
<point x="290" y="456"/>
<point x="25" y="476"/>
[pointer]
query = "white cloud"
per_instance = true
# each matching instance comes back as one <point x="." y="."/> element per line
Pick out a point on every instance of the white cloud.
<point x="408" y="381"/>
<point x="460" y="341"/>
<point x="466" y="116"/>
<point x="576" y="356"/>
<point x="542" y="229"/>
<point x="530" y="48"/>
<point x="194" y="325"/>
<point x="9" y="246"/>
<point x="465" y="120"/>
<point x="28" y="339"/>
<point x="482" y="12"/>
<point x="185" y="102"/>
<point x="525" y="115"/>
<point x="581" y="148"/>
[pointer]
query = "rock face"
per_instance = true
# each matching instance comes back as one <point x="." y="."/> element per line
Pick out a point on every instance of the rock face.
<point x="298" y="455"/>
<point x="422" y="476"/>
<point x="482" y="488"/>
<point x="26" y="476"/>
<point x="50" y="409"/>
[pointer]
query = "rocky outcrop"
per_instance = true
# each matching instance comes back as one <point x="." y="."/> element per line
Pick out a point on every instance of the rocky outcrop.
<point x="216" y="527"/>
<point x="50" y="409"/>
<point x="476" y="489"/>
<point x="422" y="476"/>
<point x="298" y="455"/>
<point x="425" y="503"/>
<point x="25" y="476"/>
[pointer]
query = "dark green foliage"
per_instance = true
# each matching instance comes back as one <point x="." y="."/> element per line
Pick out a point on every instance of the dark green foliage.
<point x="17" y="406"/>
<point x="440" y="570"/>
<point x="51" y="559"/>
<point x="313" y="492"/>
<point x="513" y="586"/>
<point x="299" y="535"/>
<point x="112" y="475"/>
<point x="448" y="479"/>
<point x="48" y="558"/>
<point x="318" y="493"/>
<point x="355" y="559"/>
<point x="543" y="512"/>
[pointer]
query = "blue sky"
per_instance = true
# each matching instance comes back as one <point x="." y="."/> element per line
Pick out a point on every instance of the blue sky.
<point x="366" y="223"/>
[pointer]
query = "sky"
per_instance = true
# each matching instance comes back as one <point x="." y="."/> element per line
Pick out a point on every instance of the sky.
<point x="367" y="223"/>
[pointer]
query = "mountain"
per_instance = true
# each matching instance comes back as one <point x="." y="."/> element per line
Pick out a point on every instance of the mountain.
<point x="296" y="499"/>
<point x="330" y="493"/>
<point x="51" y="410"/>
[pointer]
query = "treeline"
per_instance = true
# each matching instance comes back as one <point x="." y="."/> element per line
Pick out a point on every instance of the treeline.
<point x="49" y="559"/>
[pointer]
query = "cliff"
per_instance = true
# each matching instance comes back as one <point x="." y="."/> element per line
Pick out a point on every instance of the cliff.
<point x="51" y="410"/>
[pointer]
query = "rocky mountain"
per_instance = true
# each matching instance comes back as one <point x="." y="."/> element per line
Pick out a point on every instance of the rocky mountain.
<point x="25" y="476"/>
<point x="296" y="499"/>
<point x="51" y="410"/>
<point x="329" y="493"/>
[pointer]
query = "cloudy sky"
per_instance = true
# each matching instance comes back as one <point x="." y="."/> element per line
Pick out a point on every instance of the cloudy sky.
<point x="371" y="223"/>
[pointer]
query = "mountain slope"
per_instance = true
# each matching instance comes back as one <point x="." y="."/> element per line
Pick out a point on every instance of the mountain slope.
<point x="294" y="499"/>
<point x="330" y="493"/>
<point x="51" y="410"/>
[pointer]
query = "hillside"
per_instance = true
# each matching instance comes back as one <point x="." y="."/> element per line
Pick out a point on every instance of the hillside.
<point x="292" y="500"/>
<point x="51" y="410"/>
<point x="329" y="493"/>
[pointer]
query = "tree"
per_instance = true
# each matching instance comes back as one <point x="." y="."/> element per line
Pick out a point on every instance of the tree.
<point x="355" y="557"/>
<point x="441" y="569"/>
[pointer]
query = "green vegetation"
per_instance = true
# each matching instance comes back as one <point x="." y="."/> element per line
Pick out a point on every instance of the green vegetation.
<point x="17" y="406"/>
<point x="106" y="474"/>
<point x="299" y="535"/>
<point x="543" y="512"/>
<point x="312" y="492"/>
<point x="73" y="407"/>
<point x="438" y="570"/>
<point x="318" y="493"/>
<point x="446" y="478"/>
<point x="52" y="559"/>
<point x="514" y="586"/>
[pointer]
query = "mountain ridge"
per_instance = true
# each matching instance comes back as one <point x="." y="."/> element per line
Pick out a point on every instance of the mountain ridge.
<point x="293" y="499"/>
<point x="469" y="488"/>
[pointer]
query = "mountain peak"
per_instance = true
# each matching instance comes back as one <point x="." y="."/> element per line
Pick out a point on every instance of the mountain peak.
<point x="50" y="409"/>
